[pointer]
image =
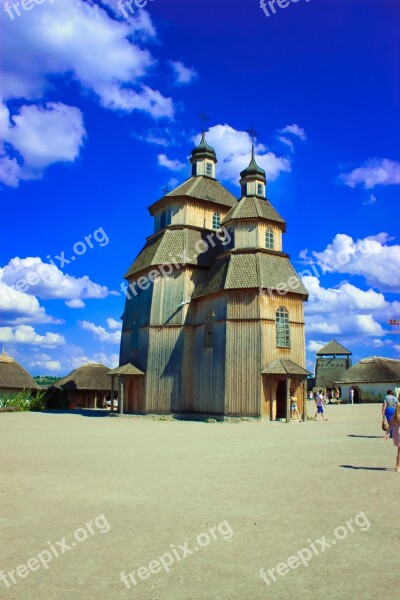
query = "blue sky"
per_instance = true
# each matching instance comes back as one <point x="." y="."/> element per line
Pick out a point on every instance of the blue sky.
<point x="98" y="113"/>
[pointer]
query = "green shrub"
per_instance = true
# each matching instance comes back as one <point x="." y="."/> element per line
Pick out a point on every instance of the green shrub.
<point x="25" y="400"/>
<point x="20" y="400"/>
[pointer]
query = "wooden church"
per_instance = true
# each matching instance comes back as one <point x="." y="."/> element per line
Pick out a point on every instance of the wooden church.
<point x="213" y="321"/>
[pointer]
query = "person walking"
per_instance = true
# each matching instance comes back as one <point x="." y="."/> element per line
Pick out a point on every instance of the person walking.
<point x="320" y="402"/>
<point x="389" y="406"/>
<point x="293" y="407"/>
<point x="351" y="395"/>
<point x="394" y="431"/>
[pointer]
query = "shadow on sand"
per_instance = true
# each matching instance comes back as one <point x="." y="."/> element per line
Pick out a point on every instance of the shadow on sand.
<point x="80" y="412"/>
<point x="378" y="437"/>
<point x="365" y="468"/>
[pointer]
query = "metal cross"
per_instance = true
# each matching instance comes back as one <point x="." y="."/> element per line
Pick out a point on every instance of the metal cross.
<point x="165" y="190"/>
<point x="204" y="119"/>
<point x="253" y="134"/>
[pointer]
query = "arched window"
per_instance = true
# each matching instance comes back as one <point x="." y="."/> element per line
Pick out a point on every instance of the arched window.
<point x="269" y="238"/>
<point x="282" y="328"/>
<point x="209" y="330"/>
<point x="216" y="220"/>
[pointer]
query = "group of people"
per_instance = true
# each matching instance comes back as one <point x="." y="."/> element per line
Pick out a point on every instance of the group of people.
<point x="391" y="412"/>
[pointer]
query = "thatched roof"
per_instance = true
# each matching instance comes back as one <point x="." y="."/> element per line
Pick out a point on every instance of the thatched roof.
<point x="372" y="370"/>
<point x="285" y="366"/>
<point x="89" y="377"/>
<point x="14" y="377"/>
<point x="333" y="348"/>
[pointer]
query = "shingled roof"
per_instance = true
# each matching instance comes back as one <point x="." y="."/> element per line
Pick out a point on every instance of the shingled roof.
<point x="333" y="348"/>
<point x="14" y="377"/>
<point x="200" y="188"/>
<point x="92" y="376"/>
<point x="251" y="270"/>
<point x="171" y="244"/>
<point x="375" y="369"/>
<point x="129" y="369"/>
<point x="252" y="207"/>
<point x="284" y="366"/>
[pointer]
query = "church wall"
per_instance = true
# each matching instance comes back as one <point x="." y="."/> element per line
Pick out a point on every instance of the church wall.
<point x="164" y="381"/>
<point x="208" y="366"/>
<point x="243" y="368"/>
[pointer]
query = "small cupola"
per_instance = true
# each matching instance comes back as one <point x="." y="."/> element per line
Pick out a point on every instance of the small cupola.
<point x="203" y="159"/>
<point x="253" y="180"/>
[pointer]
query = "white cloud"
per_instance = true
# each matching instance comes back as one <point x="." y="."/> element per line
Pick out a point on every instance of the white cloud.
<point x="112" y="337"/>
<point x="376" y="171"/>
<point x="113" y="324"/>
<point x="18" y="308"/>
<point x="25" y="334"/>
<point x="40" y="136"/>
<point x="233" y="150"/>
<point x="286" y="141"/>
<point x="48" y="281"/>
<point x="346" y="309"/>
<point x="314" y="346"/>
<point x="183" y="75"/>
<point x="109" y="360"/>
<point x="371" y="200"/>
<point x="172" y="165"/>
<point x="294" y="130"/>
<point x="47" y="365"/>
<point x="88" y="45"/>
<point x="75" y="303"/>
<point x="371" y="257"/>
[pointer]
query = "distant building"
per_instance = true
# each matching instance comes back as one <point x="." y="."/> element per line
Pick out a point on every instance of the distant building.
<point x="213" y="321"/>
<point x="332" y="361"/>
<point x="13" y="377"/>
<point x="371" y="377"/>
<point x="87" y="386"/>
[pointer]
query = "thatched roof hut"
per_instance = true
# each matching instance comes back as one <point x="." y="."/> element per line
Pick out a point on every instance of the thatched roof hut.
<point x="13" y="377"/>
<point x="371" y="377"/>
<point x="87" y="385"/>
<point x="375" y="369"/>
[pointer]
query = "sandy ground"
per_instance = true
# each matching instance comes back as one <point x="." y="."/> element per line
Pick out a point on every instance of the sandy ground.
<point x="269" y="489"/>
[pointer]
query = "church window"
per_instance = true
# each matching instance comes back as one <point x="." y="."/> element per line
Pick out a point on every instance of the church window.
<point x="244" y="189"/>
<point x="208" y="168"/>
<point x="259" y="189"/>
<point x="269" y="238"/>
<point x="216" y="220"/>
<point x="209" y="330"/>
<point x="282" y="328"/>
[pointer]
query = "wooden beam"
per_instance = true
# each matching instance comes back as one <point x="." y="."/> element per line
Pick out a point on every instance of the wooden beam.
<point x="288" y="382"/>
<point x="112" y="393"/>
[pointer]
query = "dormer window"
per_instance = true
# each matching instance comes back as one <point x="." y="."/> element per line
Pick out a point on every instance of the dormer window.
<point x="162" y="220"/>
<point x="269" y="238"/>
<point x="209" y="169"/>
<point x="216" y="220"/>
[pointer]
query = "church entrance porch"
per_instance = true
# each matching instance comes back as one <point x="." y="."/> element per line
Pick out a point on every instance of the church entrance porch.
<point x="282" y="379"/>
<point x="131" y="389"/>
